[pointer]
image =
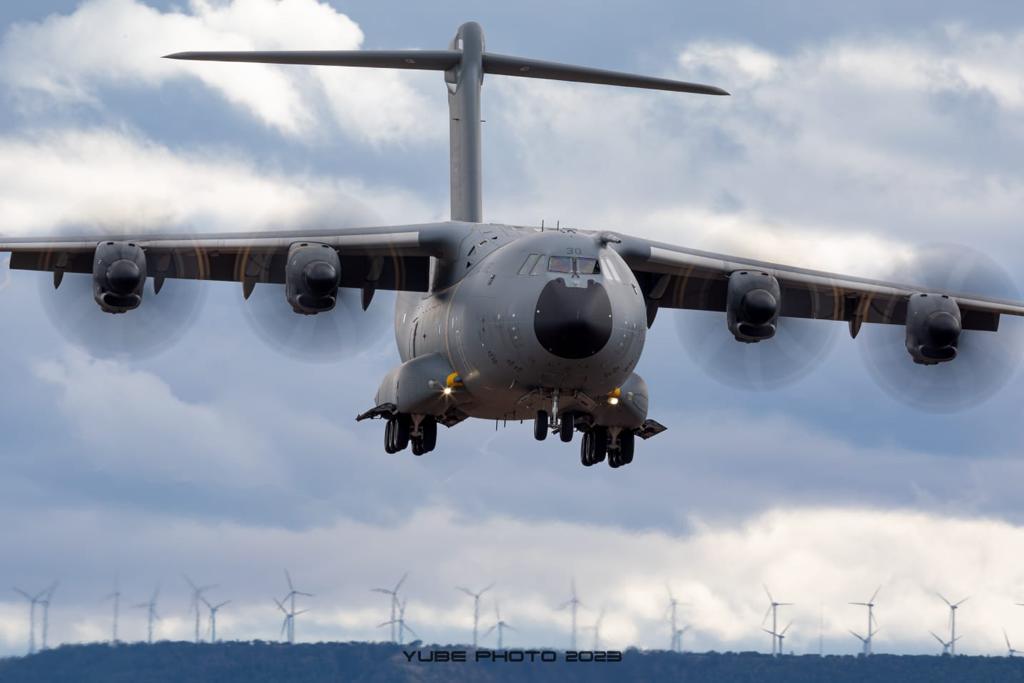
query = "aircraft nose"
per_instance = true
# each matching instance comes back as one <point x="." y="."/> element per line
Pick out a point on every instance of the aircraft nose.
<point x="573" y="322"/>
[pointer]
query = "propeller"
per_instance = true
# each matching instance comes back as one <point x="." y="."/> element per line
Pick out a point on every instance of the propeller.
<point x="160" y="321"/>
<point x="321" y="338"/>
<point x="796" y="349"/>
<point x="985" y="361"/>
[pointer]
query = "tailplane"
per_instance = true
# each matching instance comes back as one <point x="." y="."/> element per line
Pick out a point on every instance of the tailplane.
<point x="464" y="64"/>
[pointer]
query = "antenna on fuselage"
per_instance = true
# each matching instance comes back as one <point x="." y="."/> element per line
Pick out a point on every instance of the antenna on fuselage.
<point x="464" y="64"/>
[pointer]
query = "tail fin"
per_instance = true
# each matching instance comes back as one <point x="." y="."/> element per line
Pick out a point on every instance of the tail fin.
<point x="464" y="64"/>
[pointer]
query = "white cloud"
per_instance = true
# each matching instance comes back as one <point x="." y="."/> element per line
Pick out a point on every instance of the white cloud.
<point x="61" y="58"/>
<point x="115" y="180"/>
<point x="819" y="558"/>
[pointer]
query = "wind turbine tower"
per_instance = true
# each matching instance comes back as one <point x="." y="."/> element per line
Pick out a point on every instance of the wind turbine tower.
<point x="116" y="598"/>
<point x="476" y="607"/>
<point x="400" y="622"/>
<point x="500" y="625"/>
<point x="596" y="628"/>
<point x="773" y="608"/>
<point x="290" y="598"/>
<point x="197" y="597"/>
<point x="393" y="593"/>
<point x="574" y="604"/>
<point x="867" y="640"/>
<point x="151" y="615"/>
<point x="45" y="602"/>
<point x="952" y="622"/>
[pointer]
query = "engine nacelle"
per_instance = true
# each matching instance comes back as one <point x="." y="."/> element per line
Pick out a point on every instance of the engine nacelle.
<point x="118" y="276"/>
<point x="312" y="276"/>
<point x="752" y="305"/>
<point x="933" y="328"/>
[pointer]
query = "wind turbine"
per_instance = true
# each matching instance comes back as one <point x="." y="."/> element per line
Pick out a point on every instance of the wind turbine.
<point x="197" y="596"/>
<point x="45" y="602"/>
<point x="945" y="645"/>
<point x="596" y="628"/>
<point x="476" y="606"/>
<point x="952" y="622"/>
<point x="778" y="637"/>
<point x="574" y="604"/>
<point x="400" y="622"/>
<point x="670" y="612"/>
<point x="290" y="598"/>
<point x="773" y="608"/>
<point x="213" y="617"/>
<point x="867" y="639"/>
<point x="116" y="598"/>
<point x="151" y="614"/>
<point x="500" y="625"/>
<point x="393" y="592"/>
<point x="33" y="601"/>
<point x="678" y="638"/>
<point x="1009" y="648"/>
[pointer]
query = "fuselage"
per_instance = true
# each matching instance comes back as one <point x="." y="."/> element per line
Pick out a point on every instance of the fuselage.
<point x="525" y="313"/>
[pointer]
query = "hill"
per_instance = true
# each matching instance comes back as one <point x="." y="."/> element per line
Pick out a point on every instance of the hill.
<point x="254" y="662"/>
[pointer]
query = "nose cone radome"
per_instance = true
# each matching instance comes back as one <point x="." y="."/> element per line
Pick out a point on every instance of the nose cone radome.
<point x="123" y="276"/>
<point x="573" y="322"/>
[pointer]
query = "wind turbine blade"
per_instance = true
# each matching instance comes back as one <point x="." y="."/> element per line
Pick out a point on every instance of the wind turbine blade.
<point x="769" y="631"/>
<point x="941" y="641"/>
<point x="386" y="623"/>
<point x="786" y="629"/>
<point x="489" y="587"/>
<point x="490" y="631"/>
<point x="784" y="604"/>
<point x="222" y="604"/>
<point x="862" y="604"/>
<point x="670" y="596"/>
<point x="1007" y="639"/>
<point x="466" y="591"/>
<point x="27" y="596"/>
<point x="409" y="629"/>
<point x="941" y="597"/>
<point x="308" y="595"/>
<point x="766" y="613"/>
<point x="510" y="628"/>
<point x="289" y="578"/>
<point x="768" y="593"/>
<point x="386" y="591"/>
<point x="961" y="602"/>
<point x="284" y="625"/>
<point x="205" y="601"/>
<point x="280" y="606"/>
<point x="401" y="581"/>
<point x="874" y="595"/>
<point x="301" y="611"/>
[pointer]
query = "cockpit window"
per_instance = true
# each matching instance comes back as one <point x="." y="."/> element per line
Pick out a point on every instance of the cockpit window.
<point x="560" y="264"/>
<point x="578" y="265"/>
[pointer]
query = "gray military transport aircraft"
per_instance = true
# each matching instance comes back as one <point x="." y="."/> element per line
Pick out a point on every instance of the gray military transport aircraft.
<point x="500" y="321"/>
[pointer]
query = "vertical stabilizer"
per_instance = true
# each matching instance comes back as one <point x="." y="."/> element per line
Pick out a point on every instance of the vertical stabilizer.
<point x="464" y="81"/>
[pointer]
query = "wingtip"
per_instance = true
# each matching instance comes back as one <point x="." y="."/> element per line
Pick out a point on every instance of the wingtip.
<point x="176" y="55"/>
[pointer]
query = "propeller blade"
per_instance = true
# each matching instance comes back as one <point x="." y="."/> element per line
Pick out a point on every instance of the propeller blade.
<point x="325" y="337"/>
<point x="797" y="348"/>
<point x="985" y="361"/>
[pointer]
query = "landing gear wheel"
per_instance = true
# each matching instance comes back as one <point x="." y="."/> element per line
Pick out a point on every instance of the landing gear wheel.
<point x="389" y="436"/>
<point x="540" y="426"/>
<point x="586" y="449"/>
<point x="627" y="443"/>
<point x="567" y="426"/>
<point x="428" y="431"/>
<point x="403" y="424"/>
<point x="417" y="446"/>
<point x="614" y="459"/>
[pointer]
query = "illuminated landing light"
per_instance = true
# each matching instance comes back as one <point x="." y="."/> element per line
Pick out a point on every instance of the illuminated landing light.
<point x="447" y="391"/>
<point x="613" y="401"/>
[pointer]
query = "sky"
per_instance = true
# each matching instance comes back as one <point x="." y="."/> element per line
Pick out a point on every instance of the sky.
<point x="856" y="135"/>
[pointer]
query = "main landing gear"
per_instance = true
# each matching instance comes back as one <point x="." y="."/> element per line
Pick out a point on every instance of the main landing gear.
<point x="402" y="429"/>
<point x="597" y="444"/>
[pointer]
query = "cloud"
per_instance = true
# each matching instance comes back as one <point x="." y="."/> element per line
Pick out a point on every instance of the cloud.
<point x="61" y="59"/>
<point x="819" y="558"/>
<point x="117" y="180"/>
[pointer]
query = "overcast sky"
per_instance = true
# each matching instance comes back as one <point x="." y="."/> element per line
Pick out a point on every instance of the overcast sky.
<point x="856" y="134"/>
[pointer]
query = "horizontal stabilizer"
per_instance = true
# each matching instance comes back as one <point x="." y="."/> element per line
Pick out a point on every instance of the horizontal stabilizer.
<point x="434" y="60"/>
<point x="533" y="68"/>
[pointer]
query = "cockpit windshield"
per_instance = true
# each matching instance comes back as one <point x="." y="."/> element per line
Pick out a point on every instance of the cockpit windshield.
<point x="579" y="265"/>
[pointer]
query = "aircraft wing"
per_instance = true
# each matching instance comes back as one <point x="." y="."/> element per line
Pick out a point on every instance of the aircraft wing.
<point x="393" y="257"/>
<point x="677" y="277"/>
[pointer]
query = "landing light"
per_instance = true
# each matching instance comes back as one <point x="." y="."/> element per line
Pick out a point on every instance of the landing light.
<point x="447" y="391"/>
<point x="613" y="400"/>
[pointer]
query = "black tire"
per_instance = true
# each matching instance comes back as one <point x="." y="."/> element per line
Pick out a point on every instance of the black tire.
<point x="403" y="424"/>
<point x="614" y="459"/>
<point x="417" y="446"/>
<point x="600" y="441"/>
<point x="428" y="427"/>
<point x="567" y="426"/>
<point x="627" y="444"/>
<point x="586" y="450"/>
<point x="389" y="428"/>
<point x="540" y="426"/>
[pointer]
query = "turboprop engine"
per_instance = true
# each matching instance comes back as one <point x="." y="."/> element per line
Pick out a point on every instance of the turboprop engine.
<point x="118" y="276"/>
<point x="312" y="276"/>
<point x="752" y="305"/>
<point x="933" y="328"/>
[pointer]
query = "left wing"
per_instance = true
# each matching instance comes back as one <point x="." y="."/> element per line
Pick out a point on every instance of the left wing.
<point x="393" y="257"/>
<point x="677" y="277"/>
